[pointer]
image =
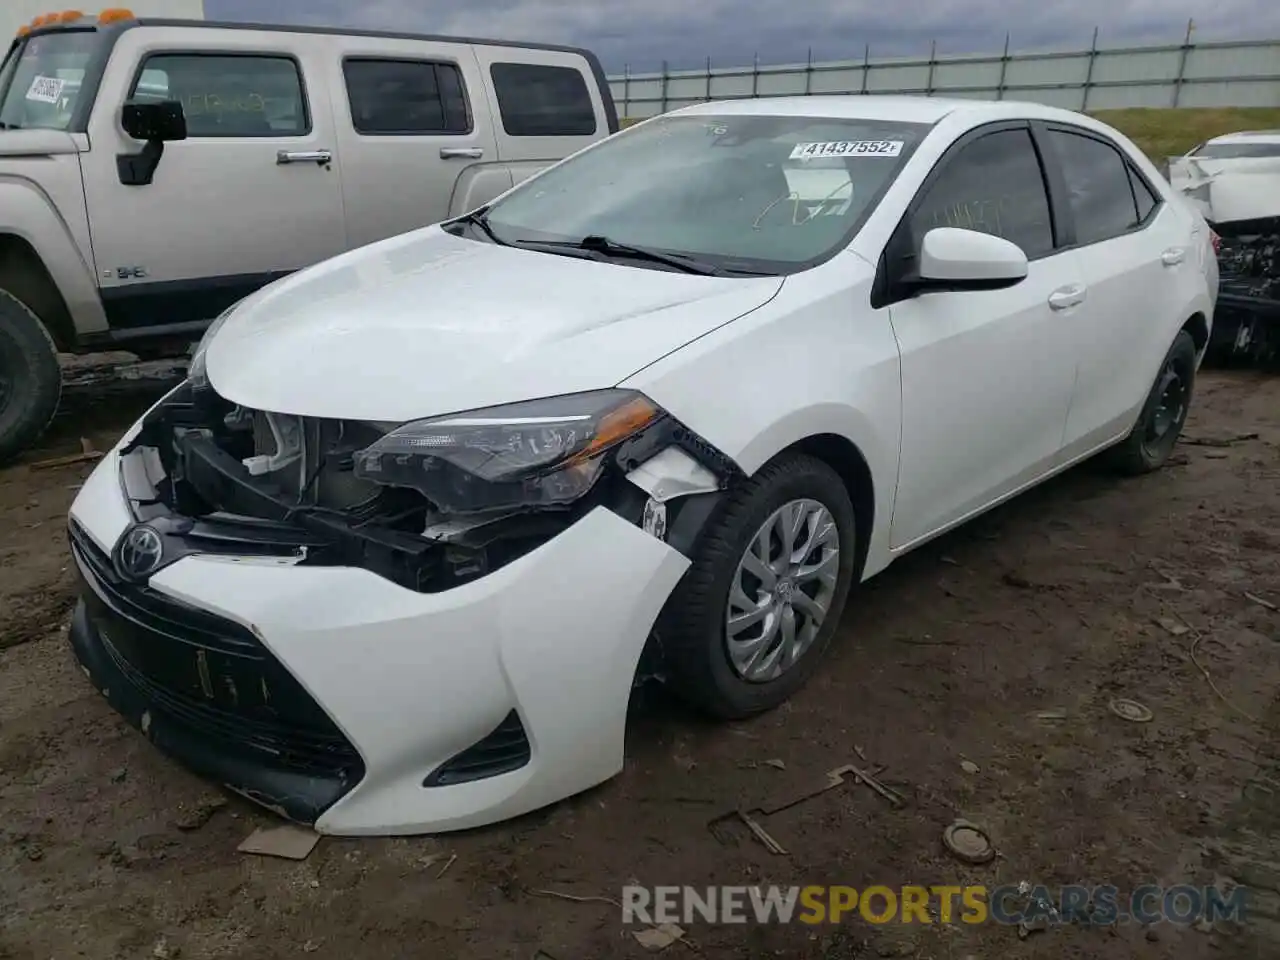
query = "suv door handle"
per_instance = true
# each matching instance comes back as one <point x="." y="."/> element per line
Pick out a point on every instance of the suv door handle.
<point x="1173" y="256"/>
<point x="461" y="153"/>
<point x="1066" y="297"/>
<point x="304" y="156"/>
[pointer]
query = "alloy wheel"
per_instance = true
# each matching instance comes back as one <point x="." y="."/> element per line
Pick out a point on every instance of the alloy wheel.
<point x="782" y="590"/>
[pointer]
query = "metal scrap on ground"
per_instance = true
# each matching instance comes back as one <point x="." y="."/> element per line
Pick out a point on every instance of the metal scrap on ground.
<point x="834" y="778"/>
<point x="969" y="842"/>
<point x="1131" y="710"/>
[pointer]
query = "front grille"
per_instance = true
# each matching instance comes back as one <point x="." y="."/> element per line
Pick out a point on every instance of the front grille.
<point x="209" y="674"/>
<point x="502" y="751"/>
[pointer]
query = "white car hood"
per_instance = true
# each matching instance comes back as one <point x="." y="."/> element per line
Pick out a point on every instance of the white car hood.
<point x="429" y="323"/>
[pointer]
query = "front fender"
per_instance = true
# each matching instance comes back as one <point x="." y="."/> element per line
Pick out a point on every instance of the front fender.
<point x="808" y="363"/>
<point x="29" y="212"/>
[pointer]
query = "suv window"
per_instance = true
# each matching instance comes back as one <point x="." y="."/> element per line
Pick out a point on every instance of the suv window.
<point x="228" y="95"/>
<point x="993" y="185"/>
<point x="405" y="97"/>
<point x="1098" y="186"/>
<point x="42" y="82"/>
<point x="536" y="100"/>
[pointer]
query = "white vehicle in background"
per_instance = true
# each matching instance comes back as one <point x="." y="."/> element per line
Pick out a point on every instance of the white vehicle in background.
<point x="395" y="555"/>
<point x="1232" y="177"/>
<point x="1234" y="181"/>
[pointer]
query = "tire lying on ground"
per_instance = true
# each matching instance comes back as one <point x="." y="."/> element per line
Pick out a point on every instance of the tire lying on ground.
<point x="30" y="377"/>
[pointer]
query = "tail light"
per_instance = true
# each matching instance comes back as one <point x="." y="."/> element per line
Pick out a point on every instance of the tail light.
<point x="1216" y="241"/>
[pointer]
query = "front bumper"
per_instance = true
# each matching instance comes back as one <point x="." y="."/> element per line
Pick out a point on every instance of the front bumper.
<point x="332" y="695"/>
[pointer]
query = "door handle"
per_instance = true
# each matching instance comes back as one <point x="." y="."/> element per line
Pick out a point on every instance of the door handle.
<point x="461" y="153"/>
<point x="304" y="156"/>
<point x="1173" y="256"/>
<point x="1066" y="297"/>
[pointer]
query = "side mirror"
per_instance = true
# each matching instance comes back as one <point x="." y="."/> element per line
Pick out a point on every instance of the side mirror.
<point x="154" y="122"/>
<point x="955" y="259"/>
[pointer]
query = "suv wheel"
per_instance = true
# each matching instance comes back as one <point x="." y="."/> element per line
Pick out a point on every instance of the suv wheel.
<point x="748" y="623"/>
<point x="30" y="377"/>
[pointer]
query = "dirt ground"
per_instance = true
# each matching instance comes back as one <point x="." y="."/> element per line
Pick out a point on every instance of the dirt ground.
<point x="999" y="647"/>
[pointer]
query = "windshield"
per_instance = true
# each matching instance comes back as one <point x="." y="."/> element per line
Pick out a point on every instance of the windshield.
<point x="42" y="83"/>
<point x="1237" y="151"/>
<point x="759" y="194"/>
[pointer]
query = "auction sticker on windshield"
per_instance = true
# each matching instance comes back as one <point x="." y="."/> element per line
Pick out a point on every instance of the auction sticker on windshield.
<point x="847" y="148"/>
<point x="45" y="89"/>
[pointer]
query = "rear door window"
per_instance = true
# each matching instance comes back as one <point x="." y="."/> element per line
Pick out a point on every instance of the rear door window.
<point x="537" y="100"/>
<point x="1143" y="195"/>
<point x="1098" y="186"/>
<point x="406" y="97"/>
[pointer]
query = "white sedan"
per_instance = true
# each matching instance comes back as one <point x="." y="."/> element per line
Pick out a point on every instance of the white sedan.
<point x="394" y="556"/>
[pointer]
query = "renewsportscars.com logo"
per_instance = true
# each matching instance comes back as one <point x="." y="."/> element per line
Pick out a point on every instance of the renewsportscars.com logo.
<point x="1015" y="904"/>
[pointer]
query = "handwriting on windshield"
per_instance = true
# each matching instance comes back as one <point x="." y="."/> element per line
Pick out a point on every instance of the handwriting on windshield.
<point x="981" y="215"/>
<point x="206" y="104"/>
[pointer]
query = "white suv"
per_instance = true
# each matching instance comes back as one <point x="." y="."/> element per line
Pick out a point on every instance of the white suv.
<point x="393" y="557"/>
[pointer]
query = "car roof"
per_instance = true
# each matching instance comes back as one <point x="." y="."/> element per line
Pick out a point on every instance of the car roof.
<point x="910" y="109"/>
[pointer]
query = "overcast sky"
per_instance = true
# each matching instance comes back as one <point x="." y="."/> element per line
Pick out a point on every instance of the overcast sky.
<point x="643" y="33"/>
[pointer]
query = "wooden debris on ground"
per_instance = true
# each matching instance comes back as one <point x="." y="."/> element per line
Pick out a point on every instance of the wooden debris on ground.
<point x="288" y="842"/>
<point x="86" y="454"/>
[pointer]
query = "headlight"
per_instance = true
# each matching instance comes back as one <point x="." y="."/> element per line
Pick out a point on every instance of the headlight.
<point x="195" y="369"/>
<point x="537" y="453"/>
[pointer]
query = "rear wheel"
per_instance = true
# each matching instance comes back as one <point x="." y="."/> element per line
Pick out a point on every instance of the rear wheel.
<point x="750" y="620"/>
<point x="1160" y="423"/>
<point x="30" y="377"/>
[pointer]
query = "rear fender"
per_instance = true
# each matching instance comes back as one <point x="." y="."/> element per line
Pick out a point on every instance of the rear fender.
<point x="477" y="185"/>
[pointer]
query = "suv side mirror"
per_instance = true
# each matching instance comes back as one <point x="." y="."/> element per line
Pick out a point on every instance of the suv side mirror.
<point x="955" y="259"/>
<point x="155" y="123"/>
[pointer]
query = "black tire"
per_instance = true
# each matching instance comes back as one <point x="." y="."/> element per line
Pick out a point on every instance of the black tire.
<point x="30" y="377"/>
<point x="1156" y="433"/>
<point x="692" y="629"/>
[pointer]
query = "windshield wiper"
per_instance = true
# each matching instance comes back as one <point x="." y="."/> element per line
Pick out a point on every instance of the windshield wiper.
<point x="477" y="218"/>
<point x="609" y="248"/>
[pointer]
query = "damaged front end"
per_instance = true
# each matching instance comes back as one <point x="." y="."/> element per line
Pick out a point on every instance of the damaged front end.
<point x="426" y="506"/>
<point x="1247" y="318"/>
<point x="429" y="505"/>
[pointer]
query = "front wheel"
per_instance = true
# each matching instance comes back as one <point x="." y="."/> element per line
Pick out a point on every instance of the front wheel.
<point x="30" y="377"/>
<point x="1160" y="423"/>
<point x="750" y="620"/>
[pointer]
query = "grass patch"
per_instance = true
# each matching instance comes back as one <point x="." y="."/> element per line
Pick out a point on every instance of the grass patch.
<point x="1165" y="133"/>
<point x="1171" y="133"/>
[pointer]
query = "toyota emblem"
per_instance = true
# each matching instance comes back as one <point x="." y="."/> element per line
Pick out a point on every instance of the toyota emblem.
<point x="140" y="553"/>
